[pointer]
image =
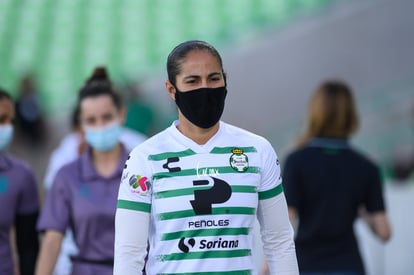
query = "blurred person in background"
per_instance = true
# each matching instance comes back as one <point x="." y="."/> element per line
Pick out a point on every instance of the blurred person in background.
<point x="72" y="146"/>
<point x="83" y="194"/>
<point x="29" y="113"/>
<point x="328" y="184"/>
<point x="195" y="189"/>
<point x="19" y="202"/>
<point x="73" y="143"/>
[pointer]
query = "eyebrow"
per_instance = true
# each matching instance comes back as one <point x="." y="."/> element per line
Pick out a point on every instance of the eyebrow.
<point x="197" y="76"/>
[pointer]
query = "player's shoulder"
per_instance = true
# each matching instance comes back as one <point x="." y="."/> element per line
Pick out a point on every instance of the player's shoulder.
<point x="244" y="135"/>
<point x="21" y="172"/>
<point x="18" y="164"/>
<point x="152" y="143"/>
<point x="361" y="159"/>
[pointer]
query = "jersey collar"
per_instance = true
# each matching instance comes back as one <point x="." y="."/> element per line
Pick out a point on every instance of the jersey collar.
<point x="331" y="143"/>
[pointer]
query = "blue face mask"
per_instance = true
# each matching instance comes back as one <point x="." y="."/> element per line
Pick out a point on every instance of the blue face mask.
<point x="103" y="139"/>
<point x="6" y="135"/>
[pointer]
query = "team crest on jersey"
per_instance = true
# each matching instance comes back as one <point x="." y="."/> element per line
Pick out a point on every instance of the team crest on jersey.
<point x="139" y="185"/>
<point x="238" y="160"/>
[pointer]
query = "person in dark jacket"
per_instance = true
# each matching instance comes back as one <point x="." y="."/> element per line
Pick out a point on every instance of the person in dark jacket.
<point x="329" y="184"/>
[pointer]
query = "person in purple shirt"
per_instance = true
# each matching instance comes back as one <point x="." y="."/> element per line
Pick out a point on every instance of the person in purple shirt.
<point x="19" y="204"/>
<point x="84" y="193"/>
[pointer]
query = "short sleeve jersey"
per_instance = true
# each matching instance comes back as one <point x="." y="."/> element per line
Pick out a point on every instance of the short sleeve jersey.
<point x="202" y="199"/>
<point x="327" y="182"/>
<point x="18" y="196"/>
<point x="84" y="201"/>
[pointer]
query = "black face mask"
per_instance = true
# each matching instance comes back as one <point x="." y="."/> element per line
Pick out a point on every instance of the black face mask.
<point x="202" y="107"/>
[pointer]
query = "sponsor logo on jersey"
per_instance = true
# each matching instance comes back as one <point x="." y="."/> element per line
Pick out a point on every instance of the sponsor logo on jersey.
<point x="212" y="172"/>
<point x="220" y="192"/>
<point x="186" y="244"/>
<point x="139" y="185"/>
<point x="238" y="160"/>
<point x="170" y="162"/>
<point x="208" y="223"/>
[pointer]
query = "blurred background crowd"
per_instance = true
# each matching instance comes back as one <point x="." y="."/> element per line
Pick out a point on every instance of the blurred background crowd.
<point x="275" y="51"/>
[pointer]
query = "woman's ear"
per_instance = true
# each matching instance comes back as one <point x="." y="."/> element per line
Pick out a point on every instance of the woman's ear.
<point x="170" y="89"/>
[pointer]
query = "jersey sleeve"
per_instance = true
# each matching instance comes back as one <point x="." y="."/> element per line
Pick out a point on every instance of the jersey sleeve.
<point x="277" y="236"/>
<point x="374" y="200"/>
<point x="56" y="211"/>
<point x="132" y="216"/>
<point x="275" y="228"/>
<point x="135" y="190"/>
<point x="271" y="183"/>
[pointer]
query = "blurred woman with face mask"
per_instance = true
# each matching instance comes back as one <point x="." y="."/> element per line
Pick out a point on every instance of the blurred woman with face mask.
<point x="84" y="192"/>
<point x="18" y="200"/>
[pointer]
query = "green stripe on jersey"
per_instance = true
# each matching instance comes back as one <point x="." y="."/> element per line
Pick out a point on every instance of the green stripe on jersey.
<point x="215" y="211"/>
<point x="194" y="172"/>
<point x="132" y="205"/>
<point x="271" y="193"/>
<point x="205" y="233"/>
<point x="190" y="191"/>
<point x="189" y="152"/>
<point x="205" y="254"/>
<point x="167" y="155"/>
<point x="234" y="272"/>
<point x="228" y="150"/>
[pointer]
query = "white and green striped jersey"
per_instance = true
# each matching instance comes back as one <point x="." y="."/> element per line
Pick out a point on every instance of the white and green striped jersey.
<point x="202" y="199"/>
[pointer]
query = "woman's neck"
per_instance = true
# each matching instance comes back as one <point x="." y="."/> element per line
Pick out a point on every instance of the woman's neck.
<point x="106" y="163"/>
<point x="199" y="135"/>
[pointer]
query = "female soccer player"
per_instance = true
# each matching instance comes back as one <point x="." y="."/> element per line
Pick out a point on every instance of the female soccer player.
<point x="194" y="190"/>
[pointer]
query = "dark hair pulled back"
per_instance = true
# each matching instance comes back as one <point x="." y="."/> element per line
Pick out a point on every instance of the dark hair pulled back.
<point x="179" y="53"/>
<point x="99" y="84"/>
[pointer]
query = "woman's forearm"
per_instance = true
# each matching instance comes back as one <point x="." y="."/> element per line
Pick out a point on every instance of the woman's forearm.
<point x="49" y="252"/>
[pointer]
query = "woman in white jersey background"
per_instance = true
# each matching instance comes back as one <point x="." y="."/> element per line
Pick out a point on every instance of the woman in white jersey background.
<point x="194" y="190"/>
